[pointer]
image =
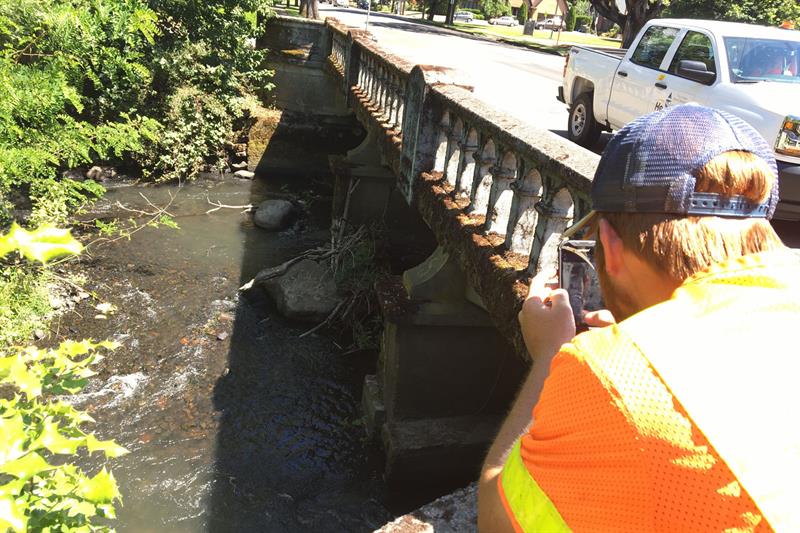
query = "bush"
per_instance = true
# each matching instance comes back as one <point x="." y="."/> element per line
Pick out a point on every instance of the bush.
<point x="476" y="12"/>
<point x="583" y="21"/>
<point x="571" y="20"/>
<point x="522" y="14"/>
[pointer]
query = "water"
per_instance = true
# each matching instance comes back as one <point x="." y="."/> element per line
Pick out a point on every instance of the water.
<point x="258" y="431"/>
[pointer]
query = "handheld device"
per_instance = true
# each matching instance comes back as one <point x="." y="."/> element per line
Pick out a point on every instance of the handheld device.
<point x="578" y="276"/>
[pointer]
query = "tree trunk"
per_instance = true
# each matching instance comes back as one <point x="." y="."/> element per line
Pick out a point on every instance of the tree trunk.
<point x="431" y="9"/>
<point x="309" y="9"/>
<point x="639" y="12"/>
<point x="451" y="12"/>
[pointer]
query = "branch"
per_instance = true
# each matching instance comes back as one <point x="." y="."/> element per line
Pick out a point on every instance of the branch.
<point x="246" y="208"/>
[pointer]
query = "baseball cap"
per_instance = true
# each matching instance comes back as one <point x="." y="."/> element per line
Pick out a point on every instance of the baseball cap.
<point x="647" y="166"/>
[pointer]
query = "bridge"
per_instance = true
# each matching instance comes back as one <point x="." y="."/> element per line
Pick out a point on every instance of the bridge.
<point x="496" y="194"/>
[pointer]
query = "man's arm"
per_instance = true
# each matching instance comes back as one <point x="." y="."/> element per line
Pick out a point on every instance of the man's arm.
<point x="547" y="323"/>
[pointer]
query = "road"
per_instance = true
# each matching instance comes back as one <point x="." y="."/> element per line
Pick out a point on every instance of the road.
<point x="521" y="82"/>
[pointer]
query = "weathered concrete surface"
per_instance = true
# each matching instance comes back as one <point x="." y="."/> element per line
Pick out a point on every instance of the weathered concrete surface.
<point x="453" y="513"/>
<point x="282" y="142"/>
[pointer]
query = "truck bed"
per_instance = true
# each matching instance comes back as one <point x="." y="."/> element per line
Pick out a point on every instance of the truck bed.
<point x="617" y="53"/>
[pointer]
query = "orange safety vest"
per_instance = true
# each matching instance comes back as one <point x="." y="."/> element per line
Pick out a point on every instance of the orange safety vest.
<point x="682" y="418"/>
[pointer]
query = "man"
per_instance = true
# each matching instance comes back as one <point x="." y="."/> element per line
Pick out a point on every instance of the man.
<point x="682" y="416"/>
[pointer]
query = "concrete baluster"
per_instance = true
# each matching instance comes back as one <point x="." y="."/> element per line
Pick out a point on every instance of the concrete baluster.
<point x="441" y="150"/>
<point x="391" y="99"/>
<point x="456" y="141"/>
<point x="482" y="184"/>
<point x="556" y="215"/>
<point x="522" y="223"/>
<point x="501" y="195"/>
<point x="466" y="170"/>
<point x="401" y="98"/>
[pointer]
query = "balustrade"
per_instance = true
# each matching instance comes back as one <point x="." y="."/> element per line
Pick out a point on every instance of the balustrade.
<point x="520" y="185"/>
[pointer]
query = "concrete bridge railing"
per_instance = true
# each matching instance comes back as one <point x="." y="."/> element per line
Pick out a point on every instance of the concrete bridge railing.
<point x="498" y="193"/>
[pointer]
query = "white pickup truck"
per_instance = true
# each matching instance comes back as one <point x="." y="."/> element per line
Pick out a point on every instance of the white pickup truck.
<point x="749" y="71"/>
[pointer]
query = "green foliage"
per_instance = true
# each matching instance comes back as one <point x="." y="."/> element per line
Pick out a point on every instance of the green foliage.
<point x="522" y="14"/>
<point x="495" y="8"/>
<point x="571" y="19"/>
<point x="85" y="81"/>
<point x="38" y="489"/>
<point x="583" y="21"/>
<point x="24" y="302"/>
<point x="766" y="12"/>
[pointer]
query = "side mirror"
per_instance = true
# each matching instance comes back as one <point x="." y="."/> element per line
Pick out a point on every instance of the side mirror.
<point x="696" y="70"/>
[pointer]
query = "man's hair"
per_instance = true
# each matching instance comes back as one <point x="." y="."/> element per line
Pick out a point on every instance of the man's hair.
<point x="680" y="246"/>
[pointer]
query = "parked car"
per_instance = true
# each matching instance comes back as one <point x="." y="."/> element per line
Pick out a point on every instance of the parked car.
<point x="341" y="3"/>
<point x="465" y="16"/>
<point x="552" y="23"/>
<point x="506" y="20"/>
<point x="747" y="70"/>
<point x="362" y="4"/>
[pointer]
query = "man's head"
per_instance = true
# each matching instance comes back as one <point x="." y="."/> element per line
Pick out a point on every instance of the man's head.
<point x="675" y="192"/>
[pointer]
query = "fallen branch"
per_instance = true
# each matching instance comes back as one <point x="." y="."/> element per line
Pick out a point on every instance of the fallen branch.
<point x="246" y="208"/>
<point x="325" y="322"/>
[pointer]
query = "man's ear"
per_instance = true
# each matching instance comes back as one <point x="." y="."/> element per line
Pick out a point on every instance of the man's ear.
<point x="612" y="248"/>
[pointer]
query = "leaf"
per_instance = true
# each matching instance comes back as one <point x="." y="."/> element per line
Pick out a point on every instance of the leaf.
<point x="13" y="434"/>
<point x="12" y="488"/>
<point x="102" y="488"/>
<point x="27" y="466"/>
<point x="109" y="447"/>
<point x="85" y="508"/>
<point x="43" y="244"/>
<point x="25" y="380"/>
<point x="11" y="516"/>
<point x="52" y="439"/>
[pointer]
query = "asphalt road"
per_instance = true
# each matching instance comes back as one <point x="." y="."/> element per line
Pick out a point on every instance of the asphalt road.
<point x="521" y="82"/>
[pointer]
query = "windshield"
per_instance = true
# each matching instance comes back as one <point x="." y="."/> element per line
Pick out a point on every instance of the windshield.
<point x="752" y="60"/>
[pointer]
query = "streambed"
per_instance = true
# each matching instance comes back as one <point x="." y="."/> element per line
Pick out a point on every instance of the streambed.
<point x="233" y="422"/>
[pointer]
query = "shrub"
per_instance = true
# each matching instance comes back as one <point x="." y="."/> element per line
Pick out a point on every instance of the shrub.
<point x="582" y="21"/>
<point x="522" y="14"/>
<point x="571" y="19"/>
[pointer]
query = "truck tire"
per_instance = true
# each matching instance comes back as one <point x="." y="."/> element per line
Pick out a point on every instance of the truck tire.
<point x="582" y="128"/>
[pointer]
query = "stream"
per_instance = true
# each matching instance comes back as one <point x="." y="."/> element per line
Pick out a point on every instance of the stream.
<point x="234" y="423"/>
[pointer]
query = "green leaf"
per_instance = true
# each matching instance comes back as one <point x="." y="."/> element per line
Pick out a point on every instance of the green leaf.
<point x="11" y="516"/>
<point x="27" y="466"/>
<point x="25" y="380"/>
<point x="102" y="488"/>
<point x="12" y="488"/>
<point x="52" y="439"/>
<point x="12" y="430"/>
<point x="109" y="447"/>
<point x="43" y="244"/>
<point x="85" y="508"/>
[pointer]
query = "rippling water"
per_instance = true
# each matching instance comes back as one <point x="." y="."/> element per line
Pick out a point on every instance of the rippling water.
<point x="234" y="423"/>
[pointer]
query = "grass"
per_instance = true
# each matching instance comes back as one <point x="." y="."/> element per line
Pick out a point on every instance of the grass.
<point x="24" y="302"/>
<point x="540" y="38"/>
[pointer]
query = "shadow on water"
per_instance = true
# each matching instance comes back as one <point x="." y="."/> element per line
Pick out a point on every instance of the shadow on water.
<point x="290" y="453"/>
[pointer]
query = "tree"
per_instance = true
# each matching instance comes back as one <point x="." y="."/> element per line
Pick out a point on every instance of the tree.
<point x="767" y="12"/>
<point x="309" y="9"/>
<point x="637" y="13"/>
<point x="522" y="16"/>
<point x="495" y="8"/>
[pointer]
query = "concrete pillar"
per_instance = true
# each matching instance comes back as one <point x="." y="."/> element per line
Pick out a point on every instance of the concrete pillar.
<point x="445" y="376"/>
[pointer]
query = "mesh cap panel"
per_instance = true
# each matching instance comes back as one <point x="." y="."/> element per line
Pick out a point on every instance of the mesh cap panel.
<point x="647" y="166"/>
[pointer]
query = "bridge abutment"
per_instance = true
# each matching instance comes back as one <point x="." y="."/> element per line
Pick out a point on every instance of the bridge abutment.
<point x="444" y="376"/>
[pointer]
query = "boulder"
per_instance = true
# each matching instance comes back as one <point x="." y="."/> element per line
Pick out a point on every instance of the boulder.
<point x="98" y="173"/>
<point x="306" y="291"/>
<point x="273" y="214"/>
<point x="244" y="174"/>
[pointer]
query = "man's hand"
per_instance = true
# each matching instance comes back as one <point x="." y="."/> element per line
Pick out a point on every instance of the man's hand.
<point x="546" y="317"/>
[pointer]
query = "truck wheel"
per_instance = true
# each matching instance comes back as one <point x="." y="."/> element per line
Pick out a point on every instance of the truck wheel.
<point x="583" y="129"/>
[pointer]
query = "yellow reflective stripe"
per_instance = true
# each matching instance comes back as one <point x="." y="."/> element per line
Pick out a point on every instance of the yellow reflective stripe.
<point x="531" y="507"/>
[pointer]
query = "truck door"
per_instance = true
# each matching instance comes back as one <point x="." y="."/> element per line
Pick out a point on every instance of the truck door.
<point x="683" y="87"/>
<point x="639" y="73"/>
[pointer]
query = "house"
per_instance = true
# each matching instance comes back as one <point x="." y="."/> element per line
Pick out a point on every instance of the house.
<point x="543" y="9"/>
